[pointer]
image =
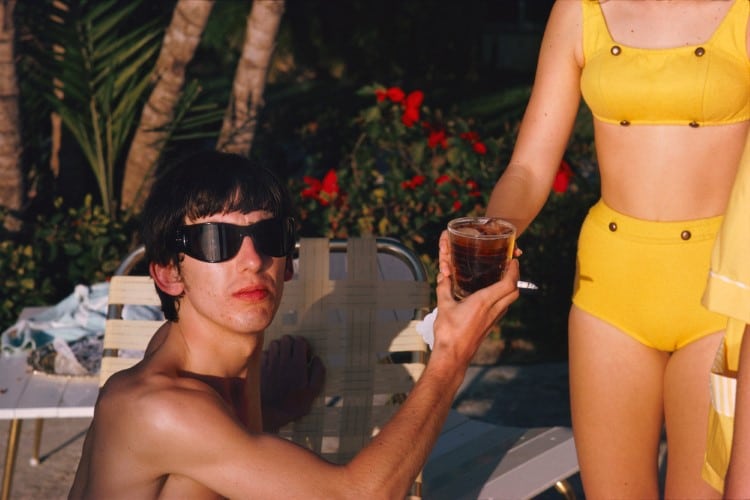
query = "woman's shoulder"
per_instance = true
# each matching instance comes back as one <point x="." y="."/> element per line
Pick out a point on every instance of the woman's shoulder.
<point x="568" y="13"/>
<point x="565" y="27"/>
<point x="576" y="5"/>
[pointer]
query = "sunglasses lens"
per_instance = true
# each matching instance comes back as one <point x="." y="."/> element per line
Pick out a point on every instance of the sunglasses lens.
<point x="272" y="236"/>
<point x="218" y="242"/>
<point x="210" y="242"/>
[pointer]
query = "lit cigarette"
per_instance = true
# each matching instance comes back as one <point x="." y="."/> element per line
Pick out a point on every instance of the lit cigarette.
<point x="527" y="285"/>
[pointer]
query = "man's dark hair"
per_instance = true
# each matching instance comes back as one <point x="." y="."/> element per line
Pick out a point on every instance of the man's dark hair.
<point x="204" y="184"/>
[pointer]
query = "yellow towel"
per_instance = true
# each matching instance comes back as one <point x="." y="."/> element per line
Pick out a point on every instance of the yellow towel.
<point x="728" y="292"/>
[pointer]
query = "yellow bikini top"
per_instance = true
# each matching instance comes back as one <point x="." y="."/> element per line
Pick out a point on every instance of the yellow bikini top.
<point x="707" y="84"/>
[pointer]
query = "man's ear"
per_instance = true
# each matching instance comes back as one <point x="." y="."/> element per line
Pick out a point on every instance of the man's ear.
<point x="289" y="270"/>
<point x="167" y="278"/>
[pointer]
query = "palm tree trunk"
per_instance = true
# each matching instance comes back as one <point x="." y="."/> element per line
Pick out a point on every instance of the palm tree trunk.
<point x="238" y="128"/>
<point x="11" y="177"/>
<point x="180" y="41"/>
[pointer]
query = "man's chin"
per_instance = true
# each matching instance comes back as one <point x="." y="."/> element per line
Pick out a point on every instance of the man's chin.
<point x="257" y="321"/>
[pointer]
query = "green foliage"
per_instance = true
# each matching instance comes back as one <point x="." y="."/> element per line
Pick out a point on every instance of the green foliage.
<point x="23" y="280"/>
<point x="66" y="248"/>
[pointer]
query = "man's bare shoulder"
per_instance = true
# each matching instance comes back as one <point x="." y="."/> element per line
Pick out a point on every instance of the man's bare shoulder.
<point x="156" y="424"/>
<point x="149" y="397"/>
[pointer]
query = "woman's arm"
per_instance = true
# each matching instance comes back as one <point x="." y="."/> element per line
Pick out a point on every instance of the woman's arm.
<point x="548" y="121"/>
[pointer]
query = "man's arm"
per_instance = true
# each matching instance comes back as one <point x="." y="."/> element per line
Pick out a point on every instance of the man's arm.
<point x="737" y="483"/>
<point x="208" y="445"/>
<point x="402" y="447"/>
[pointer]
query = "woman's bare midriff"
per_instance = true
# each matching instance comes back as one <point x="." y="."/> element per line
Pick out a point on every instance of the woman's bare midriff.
<point x="667" y="172"/>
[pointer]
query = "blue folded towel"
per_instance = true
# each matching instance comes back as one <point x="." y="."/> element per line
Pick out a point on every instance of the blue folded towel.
<point x="66" y="338"/>
<point x="81" y="313"/>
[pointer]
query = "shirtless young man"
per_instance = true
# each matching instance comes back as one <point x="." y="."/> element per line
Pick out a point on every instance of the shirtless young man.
<point x="185" y="422"/>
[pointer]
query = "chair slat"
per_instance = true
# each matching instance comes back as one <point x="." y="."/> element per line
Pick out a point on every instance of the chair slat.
<point x="133" y="290"/>
<point x="111" y="365"/>
<point x="129" y="334"/>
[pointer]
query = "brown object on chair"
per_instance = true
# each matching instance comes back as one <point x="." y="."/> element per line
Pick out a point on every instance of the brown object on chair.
<point x="361" y="323"/>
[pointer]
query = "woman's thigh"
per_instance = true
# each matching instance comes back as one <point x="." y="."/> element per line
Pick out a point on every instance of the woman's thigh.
<point x="616" y="390"/>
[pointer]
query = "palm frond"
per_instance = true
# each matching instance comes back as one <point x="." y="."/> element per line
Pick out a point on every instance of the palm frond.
<point x="100" y="73"/>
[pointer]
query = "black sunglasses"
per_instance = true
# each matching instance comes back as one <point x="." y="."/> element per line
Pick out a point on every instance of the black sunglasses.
<point x="219" y="241"/>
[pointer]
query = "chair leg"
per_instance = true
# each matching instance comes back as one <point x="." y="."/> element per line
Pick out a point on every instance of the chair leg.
<point x="14" y="433"/>
<point x="34" y="460"/>
<point x="565" y="489"/>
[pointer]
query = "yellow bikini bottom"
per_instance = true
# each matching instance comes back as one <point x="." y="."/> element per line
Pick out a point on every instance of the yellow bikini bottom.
<point x="647" y="278"/>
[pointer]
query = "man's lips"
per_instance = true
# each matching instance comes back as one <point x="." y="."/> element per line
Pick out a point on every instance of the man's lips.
<point x="252" y="293"/>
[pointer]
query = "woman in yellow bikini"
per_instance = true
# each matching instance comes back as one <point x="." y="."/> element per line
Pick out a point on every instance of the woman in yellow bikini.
<point x="668" y="84"/>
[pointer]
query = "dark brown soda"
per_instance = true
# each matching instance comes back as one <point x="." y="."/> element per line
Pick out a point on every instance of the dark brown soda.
<point x="478" y="263"/>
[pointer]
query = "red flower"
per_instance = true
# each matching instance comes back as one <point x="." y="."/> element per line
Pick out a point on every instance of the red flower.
<point x="442" y="179"/>
<point x="414" y="99"/>
<point x="411" y="108"/>
<point x="330" y="182"/>
<point x="473" y="138"/>
<point x="469" y="136"/>
<point x="437" y="137"/>
<point x="410" y="116"/>
<point x="473" y="188"/>
<point x="395" y="94"/>
<point x="324" y="192"/>
<point x="456" y="206"/>
<point x="414" y="182"/>
<point x="312" y="189"/>
<point x="562" y="179"/>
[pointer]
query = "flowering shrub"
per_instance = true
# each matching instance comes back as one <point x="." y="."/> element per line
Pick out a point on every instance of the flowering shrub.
<point x="410" y="170"/>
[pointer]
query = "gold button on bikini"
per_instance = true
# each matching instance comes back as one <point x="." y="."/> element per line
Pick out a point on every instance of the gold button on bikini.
<point x="694" y="124"/>
<point x="615" y="50"/>
<point x="613" y="226"/>
<point x="700" y="51"/>
<point x="624" y="123"/>
<point x="685" y="235"/>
